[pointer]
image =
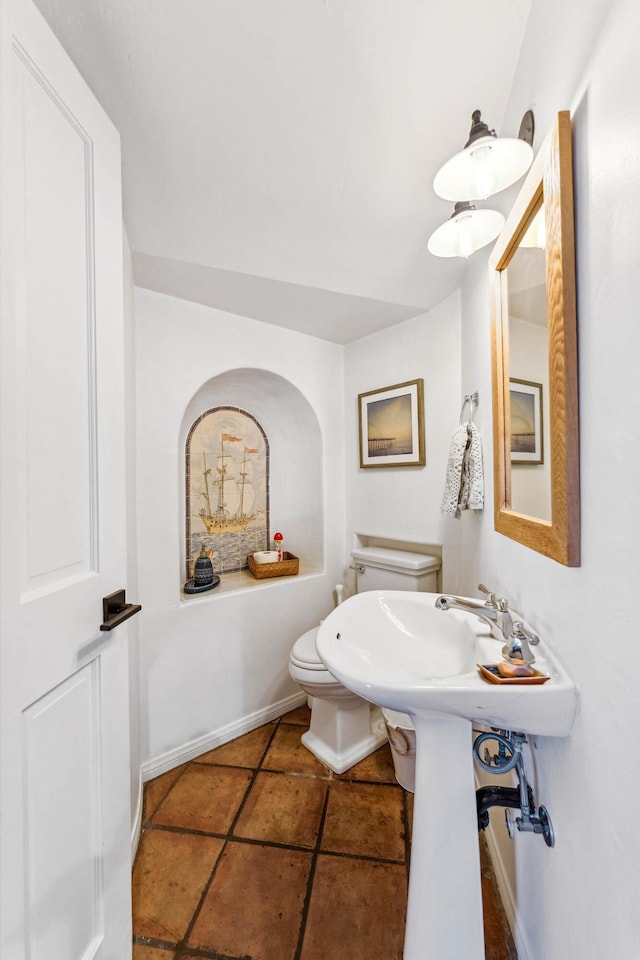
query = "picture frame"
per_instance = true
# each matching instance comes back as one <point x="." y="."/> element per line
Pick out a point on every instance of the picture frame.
<point x="525" y="405"/>
<point x="391" y="426"/>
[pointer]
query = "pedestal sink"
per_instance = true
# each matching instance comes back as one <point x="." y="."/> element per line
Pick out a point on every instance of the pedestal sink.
<point x="397" y="650"/>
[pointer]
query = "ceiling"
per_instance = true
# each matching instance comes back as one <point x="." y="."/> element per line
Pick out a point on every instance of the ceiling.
<point x="278" y="155"/>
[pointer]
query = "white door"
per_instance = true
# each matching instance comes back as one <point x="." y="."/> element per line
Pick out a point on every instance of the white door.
<point x="64" y="761"/>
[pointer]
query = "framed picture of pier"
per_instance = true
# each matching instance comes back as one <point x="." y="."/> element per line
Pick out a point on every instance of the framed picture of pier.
<point x="392" y="426"/>
<point x="525" y="403"/>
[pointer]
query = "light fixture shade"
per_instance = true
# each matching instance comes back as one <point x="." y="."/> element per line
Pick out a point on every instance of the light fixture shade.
<point x="466" y="231"/>
<point x="487" y="165"/>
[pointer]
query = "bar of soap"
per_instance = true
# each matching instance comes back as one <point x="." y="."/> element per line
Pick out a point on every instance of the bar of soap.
<point x="515" y="668"/>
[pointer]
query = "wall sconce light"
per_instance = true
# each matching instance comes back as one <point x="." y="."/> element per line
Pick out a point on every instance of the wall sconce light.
<point x="466" y="231"/>
<point x="488" y="164"/>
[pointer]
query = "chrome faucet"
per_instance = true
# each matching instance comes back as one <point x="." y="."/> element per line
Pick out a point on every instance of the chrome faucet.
<point x="496" y="614"/>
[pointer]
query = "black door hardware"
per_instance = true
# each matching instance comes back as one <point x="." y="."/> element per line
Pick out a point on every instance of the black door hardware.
<point x="115" y="610"/>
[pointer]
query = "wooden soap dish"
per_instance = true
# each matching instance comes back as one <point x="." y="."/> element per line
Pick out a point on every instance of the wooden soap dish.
<point x="490" y="672"/>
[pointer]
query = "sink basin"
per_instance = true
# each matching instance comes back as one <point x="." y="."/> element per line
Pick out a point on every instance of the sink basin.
<point x="398" y="650"/>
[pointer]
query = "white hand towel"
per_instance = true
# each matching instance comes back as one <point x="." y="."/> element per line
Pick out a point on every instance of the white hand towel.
<point x="464" y="484"/>
<point x="453" y="481"/>
<point x="472" y="492"/>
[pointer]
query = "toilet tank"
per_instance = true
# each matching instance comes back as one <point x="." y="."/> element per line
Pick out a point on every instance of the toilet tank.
<point x="386" y="569"/>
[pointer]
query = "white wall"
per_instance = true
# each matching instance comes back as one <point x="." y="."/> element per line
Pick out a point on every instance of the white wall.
<point x="403" y="503"/>
<point x="133" y="633"/>
<point x="211" y="663"/>
<point x="579" y="900"/>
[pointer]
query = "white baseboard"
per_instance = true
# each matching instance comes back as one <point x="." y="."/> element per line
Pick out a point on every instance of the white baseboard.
<point x="136" y="827"/>
<point x="208" y="741"/>
<point x="514" y="920"/>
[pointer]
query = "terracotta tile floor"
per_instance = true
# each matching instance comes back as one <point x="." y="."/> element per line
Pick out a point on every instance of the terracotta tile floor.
<point x="255" y="851"/>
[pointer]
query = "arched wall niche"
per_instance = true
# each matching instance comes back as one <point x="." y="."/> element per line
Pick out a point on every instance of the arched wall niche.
<point x="295" y="454"/>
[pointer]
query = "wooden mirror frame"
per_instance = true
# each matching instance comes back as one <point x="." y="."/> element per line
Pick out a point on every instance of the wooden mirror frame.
<point x="550" y="179"/>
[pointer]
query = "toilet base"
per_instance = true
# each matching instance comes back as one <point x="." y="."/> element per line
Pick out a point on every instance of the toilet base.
<point x="341" y="737"/>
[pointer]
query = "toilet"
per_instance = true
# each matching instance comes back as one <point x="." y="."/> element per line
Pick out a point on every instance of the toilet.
<point x="345" y="728"/>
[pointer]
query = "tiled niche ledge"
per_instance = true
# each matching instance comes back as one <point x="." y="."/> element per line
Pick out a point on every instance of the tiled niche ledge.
<point x="244" y="580"/>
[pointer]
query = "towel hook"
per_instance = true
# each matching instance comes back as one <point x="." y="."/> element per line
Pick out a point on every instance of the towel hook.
<point x="472" y="400"/>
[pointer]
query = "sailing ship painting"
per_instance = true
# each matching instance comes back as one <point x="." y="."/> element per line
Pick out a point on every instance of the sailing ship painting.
<point x="227" y="481"/>
<point x="223" y="517"/>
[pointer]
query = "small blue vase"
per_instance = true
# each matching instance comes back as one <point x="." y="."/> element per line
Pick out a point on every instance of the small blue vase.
<point x="203" y="576"/>
<point x="203" y="570"/>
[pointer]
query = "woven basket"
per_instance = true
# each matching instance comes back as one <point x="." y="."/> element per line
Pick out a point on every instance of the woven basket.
<point x="287" y="567"/>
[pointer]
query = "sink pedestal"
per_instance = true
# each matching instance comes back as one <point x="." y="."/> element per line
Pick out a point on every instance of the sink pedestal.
<point x="395" y="648"/>
<point x="444" y="912"/>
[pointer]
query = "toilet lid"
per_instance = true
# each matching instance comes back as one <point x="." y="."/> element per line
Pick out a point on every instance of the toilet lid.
<point x="304" y="651"/>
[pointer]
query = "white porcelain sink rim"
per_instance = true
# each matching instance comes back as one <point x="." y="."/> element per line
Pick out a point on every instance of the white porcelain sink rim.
<point x="546" y="709"/>
<point x="375" y="623"/>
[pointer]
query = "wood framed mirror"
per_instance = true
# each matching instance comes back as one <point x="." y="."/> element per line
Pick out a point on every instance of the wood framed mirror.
<point x="534" y="359"/>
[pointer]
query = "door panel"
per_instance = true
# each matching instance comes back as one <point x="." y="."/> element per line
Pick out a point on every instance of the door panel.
<point x="64" y="738"/>
<point x="57" y="394"/>
<point x="62" y="826"/>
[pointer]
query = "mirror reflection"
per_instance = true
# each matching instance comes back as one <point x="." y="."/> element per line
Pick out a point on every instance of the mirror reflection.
<point x="528" y="367"/>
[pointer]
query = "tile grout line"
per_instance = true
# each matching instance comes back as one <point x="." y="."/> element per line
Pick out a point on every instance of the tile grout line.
<point x="276" y="844"/>
<point x="255" y="773"/>
<point x="184" y="952"/>
<point x="296" y="774"/>
<point x="152" y="813"/>
<point x="367" y="858"/>
<point x="183" y="943"/>
<point x="312" y="874"/>
<point x="155" y="942"/>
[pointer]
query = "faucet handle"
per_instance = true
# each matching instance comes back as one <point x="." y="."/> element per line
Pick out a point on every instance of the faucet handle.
<point x="491" y="597"/>
<point x="517" y="647"/>
<point x="519" y="630"/>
